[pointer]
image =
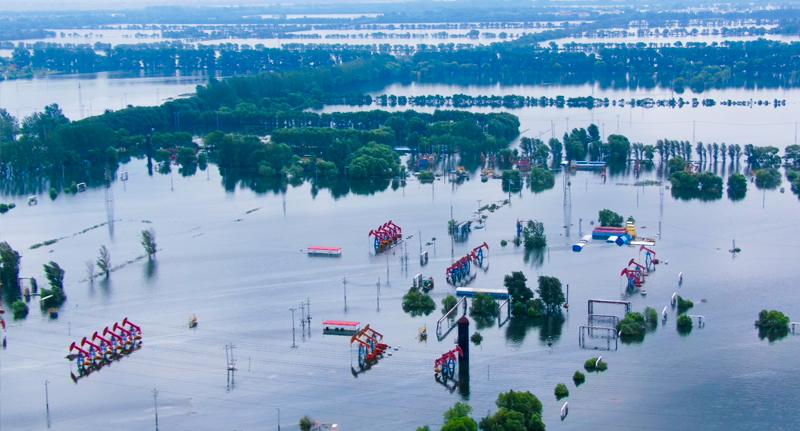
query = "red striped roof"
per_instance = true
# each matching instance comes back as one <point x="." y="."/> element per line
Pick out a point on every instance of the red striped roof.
<point x="340" y="323"/>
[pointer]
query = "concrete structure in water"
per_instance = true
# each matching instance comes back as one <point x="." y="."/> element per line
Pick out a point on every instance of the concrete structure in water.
<point x="463" y="341"/>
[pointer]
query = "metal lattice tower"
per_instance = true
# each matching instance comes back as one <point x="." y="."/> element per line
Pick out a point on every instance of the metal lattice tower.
<point x="567" y="202"/>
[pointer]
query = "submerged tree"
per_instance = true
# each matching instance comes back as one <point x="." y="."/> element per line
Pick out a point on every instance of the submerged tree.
<point x="104" y="261"/>
<point x="551" y="293"/>
<point x="54" y="274"/>
<point x="149" y="241"/>
<point x="9" y="273"/>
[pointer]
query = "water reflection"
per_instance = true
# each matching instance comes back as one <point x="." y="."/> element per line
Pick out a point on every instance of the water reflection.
<point x="550" y="327"/>
<point x="151" y="271"/>
<point x="534" y="256"/>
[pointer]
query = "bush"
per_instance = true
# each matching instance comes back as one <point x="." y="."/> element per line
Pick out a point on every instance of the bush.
<point x="709" y="181"/>
<point x="19" y="309"/>
<point x="772" y="324"/>
<point x="3" y="208"/>
<point x="737" y="183"/>
<point x="768" y="179"/>
<point x="683" y="180"/>
<point x="503" y="243"/>
<point x="632" y="324"/>
<point x="306" y="423"/>
<point x="561" y="391"/>
<point x="53" y="193"/>
<point x="426" y="177"/>
<point x="685" y="321"/>
<point x="483" y="305"/>
<point x="578" y="377"/>
<point x="592" y="365"/>
<point x="610" y="218"/>
<point x="772" y="320"/>
<point x="58" y="297"/>
<point x="448" y="303"/>
<point x="517" y="411"/>
<point x="476" y="338"/>
<point x="417" y="303"/>
<point x="677" y="164"/>
<point x="684" y="304"/>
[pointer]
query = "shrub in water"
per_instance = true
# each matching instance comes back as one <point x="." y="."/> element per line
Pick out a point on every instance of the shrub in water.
<point x="593" y="365"/>
<point x="53" y="193"/>
<point x="684" y="304"/>
<point x="685" y="321"/>
<point x="417" y="303"/>
<point x="632" y="324"/>
<point x="477" y="338"/>
<point x="561" y="391"/>
<point x="483" y="305"/>
<point x="19" y="309"/>
<point x="578" y="378"/>
<point x="448" y="303"/>
<point x="772" y="324"/>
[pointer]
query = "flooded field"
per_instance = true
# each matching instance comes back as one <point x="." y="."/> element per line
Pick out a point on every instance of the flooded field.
<point x="236" y="259"/>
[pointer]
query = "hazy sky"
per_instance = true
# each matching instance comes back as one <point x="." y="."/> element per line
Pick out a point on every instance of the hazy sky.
<point x="17" y="5"/>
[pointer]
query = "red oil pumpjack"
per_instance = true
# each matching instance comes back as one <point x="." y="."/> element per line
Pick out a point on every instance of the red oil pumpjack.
<point x="84" y="358"/>
<point x="446" y="365"/>
<point x="461" y="269"/>
<point x="109" y="348"/>
<point x="369" y="344"/>
<point x="127" y="334"/>
<point x="116" y="340"/>
<point x="386" y="235"/>
<point x="639" y="268"/>
<point x="634" y="278"/>
<point x="94" y="349"/>
<point x="135" y="330"/>
<point x="649" y="257"/>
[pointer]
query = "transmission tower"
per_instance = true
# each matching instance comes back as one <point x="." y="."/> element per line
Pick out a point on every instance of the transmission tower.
<point x="567" y="202"/>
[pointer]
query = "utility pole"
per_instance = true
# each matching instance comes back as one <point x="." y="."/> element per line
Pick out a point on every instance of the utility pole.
<point x="344" y="281"/>
<point x="419" y="233"/>
<point x="303" y="317"/>
<point x="46" y="396"/>
<point x="379" y="293"/>
<point x="308" y="313"/>
<point x="279" y="419"/>
<point x="155" y="401"/>
<point x="293" y="309"/>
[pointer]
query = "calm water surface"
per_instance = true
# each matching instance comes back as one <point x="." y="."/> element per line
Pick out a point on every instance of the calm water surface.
<point x="240" y="271"/>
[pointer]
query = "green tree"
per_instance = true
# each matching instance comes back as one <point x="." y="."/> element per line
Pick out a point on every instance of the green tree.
<point x="461" y="424"/>
<point x="54" y="274"/>
<point x="632" y="325"/>
<point x="306" y="423"/>
<point x="768" y="179"/>
<point x="9" y="270"/>
<point x="533" y="235"/>
<point x="772" y="325"/>
<point x="517" y="288"/>
<point x="561" y="391"/>
<point x="518" y="411"/>
<point x="19" y="309"/>
<point x="737" y="182"/>
<point x="610" y="218"/>
<point x="551" y="293"/>
<point x="149" y="241"/>
<point x="104" y="261"/>
<point x="459" y="410"/>
<point x="483" y="305"/>
<point x="448" y="303"/>
<point x="677" y="164"/>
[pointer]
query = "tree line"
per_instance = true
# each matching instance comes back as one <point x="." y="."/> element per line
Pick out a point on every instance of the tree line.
<point x="768" y="63"/>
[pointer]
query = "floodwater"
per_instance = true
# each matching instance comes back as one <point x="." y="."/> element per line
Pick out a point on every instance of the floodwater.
<point x="235" y="257"/>
<point x="759" y="125"/>
<point x="87" y="94"/>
